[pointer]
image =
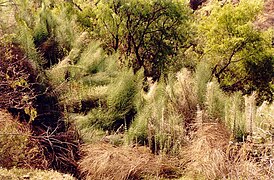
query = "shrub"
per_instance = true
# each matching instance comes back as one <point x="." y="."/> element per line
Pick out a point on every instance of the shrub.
<point x="119" y="108"/>
<point x="27" y="94"/>
<point x="215" y="101"/>
<point x="240" y="56"/>
<point x="18" y="148"/>
<point x="47" y="28"/>
<point x="81" y="78"/>
<point x="235" y="116"/>
<point x="148" y="33"/>
<point x="121" y="96"/>
<point x="167" y="113"/>
<point x="202" y="77"/>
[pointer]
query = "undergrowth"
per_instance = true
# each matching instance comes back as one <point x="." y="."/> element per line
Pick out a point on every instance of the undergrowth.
<point x="57" y="80"/>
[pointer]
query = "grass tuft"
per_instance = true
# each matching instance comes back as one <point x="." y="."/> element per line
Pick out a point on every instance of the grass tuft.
<point x="104" y="161"/>
<point x="206" y="155"/>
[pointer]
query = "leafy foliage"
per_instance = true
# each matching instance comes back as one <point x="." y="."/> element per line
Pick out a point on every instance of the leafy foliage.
<point x="84" y="62"/>
<point x="236" y="51"/>
<point x="147" y="33"/>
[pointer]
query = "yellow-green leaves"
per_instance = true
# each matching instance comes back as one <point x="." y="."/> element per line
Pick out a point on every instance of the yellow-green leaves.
<point x="234" y="48"/>
<point x="20" y="82"/>
<point x="31" y="112"/>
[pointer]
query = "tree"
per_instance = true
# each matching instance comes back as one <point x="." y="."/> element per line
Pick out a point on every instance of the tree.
<point x="241" y="56"/>
<point x="149" y="33"/>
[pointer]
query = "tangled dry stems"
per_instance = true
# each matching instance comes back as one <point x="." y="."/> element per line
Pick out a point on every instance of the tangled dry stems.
<point x="17" y="146"/>
<point x="26" y="93"/>
<point x="206" y="154"/>
<point x="213" y="155"/>
<point x="104" y="161"/>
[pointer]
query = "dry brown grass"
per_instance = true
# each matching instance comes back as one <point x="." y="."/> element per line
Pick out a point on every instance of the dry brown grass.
<point x="31" y="174"/>
<point x="206" y="155"/>
<point x="104" y="161"/>
<point x="211" y="155"/>
<point x="26" y="93"/>
<point x="17" y="147"/>
<point x="248" y="170"/>
<point x="250" y="161"/>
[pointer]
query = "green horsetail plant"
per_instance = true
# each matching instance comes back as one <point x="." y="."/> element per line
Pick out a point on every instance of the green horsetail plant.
<point x="169" y="109"/>
<point x="118" y="108"/>
<point x="202" y="77"/>
<point x="215" y="101"/>
<point x="235" y="116"/>
<point x="149" y="117"/>
<point x="122" y="94"/>
<point x="67" y="67"/>
<point x="25" y="39"/>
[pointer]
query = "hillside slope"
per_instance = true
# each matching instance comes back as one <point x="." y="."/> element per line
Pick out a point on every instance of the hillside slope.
<point x="266" y="20"/>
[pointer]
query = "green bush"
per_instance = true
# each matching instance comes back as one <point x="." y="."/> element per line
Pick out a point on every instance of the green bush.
<point x="235" y="116"/>
<point x="202" y="77"/>
<point x="122" y="93"/>
<point x="118" y="108"/>
<point x="240" y="56"/>
<point x="215" y="101"/>
<point x="168" y="110"/>
<point x="146" y="33"/>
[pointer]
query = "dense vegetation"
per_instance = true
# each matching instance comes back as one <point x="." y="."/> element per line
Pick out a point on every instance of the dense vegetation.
<point x="137" y="89"/>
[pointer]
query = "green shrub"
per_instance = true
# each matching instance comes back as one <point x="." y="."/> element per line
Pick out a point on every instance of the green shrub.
<point x="202" y="77"/>
<point x="66" y="68"/>
<point x="235" y="115"/>
<point x="228" y="109"/>
<point x="90" y="132"/>
<point x="25" y="39"/>
<point x="83" y="77"/>
<point x="47" y="29"/>
<point x="116" y="109"/>
<point x="215" y="101"/>
<point x="147" y="33"/>
<point x="240" y="56"/>
<point x="122" y="93"/>
<point x="167" y="111"/>
<point x="93" y="59"/>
